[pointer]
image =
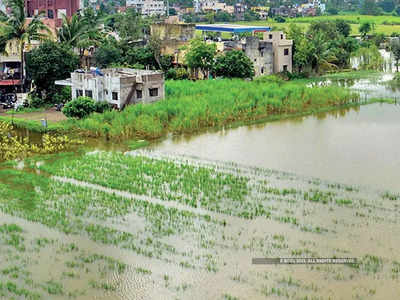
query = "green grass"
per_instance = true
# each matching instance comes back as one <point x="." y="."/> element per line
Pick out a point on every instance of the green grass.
<point x="192" y="106"/>
<point x="24" y="110"/>
<point x="383" y="24"/>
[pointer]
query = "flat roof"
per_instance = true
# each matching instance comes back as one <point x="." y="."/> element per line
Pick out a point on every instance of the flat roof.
<point x="233" y="28"/>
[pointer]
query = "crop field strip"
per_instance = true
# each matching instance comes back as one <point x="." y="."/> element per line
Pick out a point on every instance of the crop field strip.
<point x="214" y="213"/>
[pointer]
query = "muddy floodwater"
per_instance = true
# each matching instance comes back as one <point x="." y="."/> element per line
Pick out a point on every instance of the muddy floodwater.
<point x="184" y="218"/>
<point x="358" y="146"/>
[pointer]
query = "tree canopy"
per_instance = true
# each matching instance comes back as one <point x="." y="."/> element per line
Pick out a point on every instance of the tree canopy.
<point x="50" y="62"/>
<point x="232" y="64"/>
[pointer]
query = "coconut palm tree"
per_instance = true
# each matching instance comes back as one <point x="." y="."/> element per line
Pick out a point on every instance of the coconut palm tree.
<point x="72" y="30"/>
<point x="81" y="31"/>
<point x="16" y="26"/>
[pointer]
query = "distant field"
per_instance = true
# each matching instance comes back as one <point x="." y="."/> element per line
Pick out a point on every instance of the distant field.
<point x="384" y="24"/>
<point x="355" y="19"/>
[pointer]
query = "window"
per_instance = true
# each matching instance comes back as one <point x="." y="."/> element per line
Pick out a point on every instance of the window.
<point x="138" y="94"/>
<point x="50" y="14"/>
<point x="153" y="92"/>
<point x="286" y="51"/>
<point x="270" y="36"/>
<point x="79" y="93"/>
<point x="281" y="36"/>
<point x="115" y="96"/>
<point x="284" y="68"/>
<point x="262" y="53"/>
<point x="89" y="93"/>
<point x="255" y="59"/>
<point x="262" y="70"/>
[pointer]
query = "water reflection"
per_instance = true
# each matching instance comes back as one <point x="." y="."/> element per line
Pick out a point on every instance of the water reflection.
<point x="357" y="145"/>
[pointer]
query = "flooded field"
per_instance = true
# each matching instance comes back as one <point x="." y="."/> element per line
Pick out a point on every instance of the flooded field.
<point x="358" y="145"/>
<point x="149" y="225"/>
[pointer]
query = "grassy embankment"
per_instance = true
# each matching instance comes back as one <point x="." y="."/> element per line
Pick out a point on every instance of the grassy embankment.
<point x="192" y="106"/>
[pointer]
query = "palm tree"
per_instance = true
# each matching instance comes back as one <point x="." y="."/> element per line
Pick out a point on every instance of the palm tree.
<point x="72" y="30"/>
<point x="17" y="27"/>
<point x="321" y="56"/>
<point x="81" y="31"/>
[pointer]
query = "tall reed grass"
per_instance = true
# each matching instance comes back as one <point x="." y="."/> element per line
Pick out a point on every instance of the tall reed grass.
<point x="190" y="106"/>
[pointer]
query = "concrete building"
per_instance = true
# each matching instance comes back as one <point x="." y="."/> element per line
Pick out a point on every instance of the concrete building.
<point x="2" y="6"/>
<point x="148" y="7"/>
<point x="119" y="87"/>
<point x="272" y="54"/>
<point x="239" y="10"/>
<point x="282" y="49"/>
<point x="53" y="9"/>
<point x="261" y="54"/>
<point x="10" y="67"/>
<point x="215" y="6"/>
<point x="173" y="37"/>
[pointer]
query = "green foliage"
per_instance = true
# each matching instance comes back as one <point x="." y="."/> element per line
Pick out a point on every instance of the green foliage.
<point x="395" y="49"/>
<point x="50" y="62"/>
<point x="101" y="106"/>
<point x="35" y="101"/>
<point x="200" y="56"/>
<point x="63" y="95"/>
<point x="370" y="58"/>
<point x="79" y="108"/>
<point x="364" y="29"/>
<point x="232" y="64"/>
<point x="177" y="73"/>
<point x="190" y="106"/>
<point x="130" y="25"/>
<point x="369" y="7"/>
<point x="107" y="54"/>
<point x="325" y="46"/>
<point x="387" y="5"/>
<point x="16" y="27"/>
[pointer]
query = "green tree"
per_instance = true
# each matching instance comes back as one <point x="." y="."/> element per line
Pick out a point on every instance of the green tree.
<point x="72" y="30"/>
<point x="131" y="26"/>
<point x="343" y="27"/>
<point x="108" y="53"/>
<point x="364" y="29"/>
<point x="369" y="7"/>
<point x="50" y="62"/>
<point x="395" y="48"/>
<point x="17" y="27"/>
<point x="200" y="56"/>
<point x="321" y="54"/>
<point x="387" y="5"/>
<point x="234" y="63"/>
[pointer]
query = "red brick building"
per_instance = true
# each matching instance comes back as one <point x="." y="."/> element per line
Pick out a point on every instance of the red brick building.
<point x="52" y="9"/>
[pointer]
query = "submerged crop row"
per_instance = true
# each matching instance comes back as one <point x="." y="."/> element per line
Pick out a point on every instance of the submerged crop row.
<point x="97" y="215"/>
<point x="199" y="220"/>
<point x="233" y="191"/>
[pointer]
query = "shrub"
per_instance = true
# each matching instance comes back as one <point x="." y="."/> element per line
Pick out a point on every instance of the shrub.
<point x="79" y="108"/>
<point x="181" y="73"/>
<point x="170" y="74"/>
<point x="101" y="106"/>
<point x="36" y="101"/>
<point x="63" y="95"/>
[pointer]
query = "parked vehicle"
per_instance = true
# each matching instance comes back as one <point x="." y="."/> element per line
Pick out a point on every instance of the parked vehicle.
<point x="8" y="100"/>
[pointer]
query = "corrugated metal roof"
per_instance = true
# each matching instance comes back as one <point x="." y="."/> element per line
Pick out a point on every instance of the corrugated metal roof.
<point x="233" y="28"/>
